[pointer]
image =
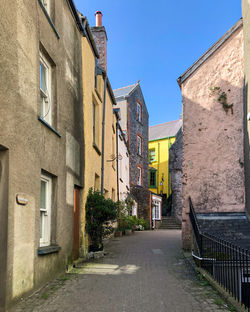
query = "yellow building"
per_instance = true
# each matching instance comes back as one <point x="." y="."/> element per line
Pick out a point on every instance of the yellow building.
<point x="99" y="126"/>
<point x="161" y="138"/>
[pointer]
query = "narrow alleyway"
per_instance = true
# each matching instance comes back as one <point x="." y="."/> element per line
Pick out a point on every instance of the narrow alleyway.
<point x="143" y="272"/>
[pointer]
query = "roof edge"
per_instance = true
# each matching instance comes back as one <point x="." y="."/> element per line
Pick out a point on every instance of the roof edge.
<point x="209" y="52"/>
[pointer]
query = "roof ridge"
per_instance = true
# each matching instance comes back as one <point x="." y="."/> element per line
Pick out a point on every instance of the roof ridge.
<point x="125" y="87"/>
<point x="165" y="123"/>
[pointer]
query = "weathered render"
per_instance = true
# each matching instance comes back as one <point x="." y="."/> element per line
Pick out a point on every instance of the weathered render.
<point x="122" y="160"/>
<point x="30" y="146"/>
<point x="175" y="170"/>
<point x="213" y="164"/>
<point x="246" y="31"/>
<point x="98" y="101"/>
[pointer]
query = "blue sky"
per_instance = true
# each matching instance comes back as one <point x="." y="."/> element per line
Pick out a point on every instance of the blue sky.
<point x="156" y="41"/>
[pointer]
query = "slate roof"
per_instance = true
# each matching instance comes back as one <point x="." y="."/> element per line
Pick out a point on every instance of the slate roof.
<point x="231" y="227"/>
<point x="165" y="130"/>
<point x="125" y="91"/>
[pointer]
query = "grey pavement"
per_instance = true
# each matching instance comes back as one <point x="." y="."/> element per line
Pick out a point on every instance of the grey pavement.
<point x="143" y="272"/>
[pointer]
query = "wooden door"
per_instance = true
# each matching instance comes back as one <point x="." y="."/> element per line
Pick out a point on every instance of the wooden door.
<point x="76" y="222"/>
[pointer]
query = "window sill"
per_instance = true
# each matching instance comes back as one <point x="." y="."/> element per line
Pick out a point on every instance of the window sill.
<point x="48" y="250"/>
<point x="97" y="149"/>
<point x="98" y="94"/>
<point x="49" y="19"/>
<point x="49" y="126"/>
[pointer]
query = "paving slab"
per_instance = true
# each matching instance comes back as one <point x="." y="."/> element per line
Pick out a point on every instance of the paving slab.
<point x="143" y="272"/>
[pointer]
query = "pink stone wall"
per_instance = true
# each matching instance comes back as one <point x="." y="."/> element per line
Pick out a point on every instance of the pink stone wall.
<point x="213" y="168"/>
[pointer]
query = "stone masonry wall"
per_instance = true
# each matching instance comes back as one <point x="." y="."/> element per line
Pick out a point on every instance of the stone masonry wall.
<point x="134" y="128"/>
<point x="175" y="169"/>
<point x="213" y="167"/>
<point x="100" y="37"/>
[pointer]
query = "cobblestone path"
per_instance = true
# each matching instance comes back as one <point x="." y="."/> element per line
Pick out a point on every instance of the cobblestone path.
<point x="143" y="272"/>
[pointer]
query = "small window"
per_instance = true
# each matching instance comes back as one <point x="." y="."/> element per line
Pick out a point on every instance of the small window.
<point x="96" y="125"/>
<point x="151" y="155"/>
<point x="45" y="210"/>
<point x="113" y="194"/>
<point x="134" y="209"/>
<point x="46" y="4"/>
<point x="45" y="90"/>
<point x="97" y="182"/>
<point x="139" y="176"/>
<point x="152" y="178"/>
<point x="139" y="145"/>
<point x="139" y="112"/>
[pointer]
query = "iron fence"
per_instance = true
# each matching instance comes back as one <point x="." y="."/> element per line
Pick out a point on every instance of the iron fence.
<point x="226" y="262"/>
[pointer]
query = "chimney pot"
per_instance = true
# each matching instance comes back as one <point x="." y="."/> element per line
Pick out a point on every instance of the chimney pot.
<point x="98" y="18"/>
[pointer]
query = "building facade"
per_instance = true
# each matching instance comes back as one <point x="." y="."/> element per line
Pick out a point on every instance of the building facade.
<point x="99" y="122"/>
<point x="134" y="123"/>
<point x="41" y="143"/>
<point x="213" y="163"/>
<point x="122" y="160"/>
<point x="246" y="31"/>
<point x="161" y="138"/>
<point x="175" y="170"/>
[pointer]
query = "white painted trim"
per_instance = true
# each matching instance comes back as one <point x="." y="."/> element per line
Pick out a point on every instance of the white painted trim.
<point x="46" y="220"/>
<point x="46" y="96"/>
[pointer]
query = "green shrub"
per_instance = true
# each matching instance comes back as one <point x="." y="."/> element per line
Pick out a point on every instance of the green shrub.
<point x="99" y="212"/>
<point x="144" y="223"/>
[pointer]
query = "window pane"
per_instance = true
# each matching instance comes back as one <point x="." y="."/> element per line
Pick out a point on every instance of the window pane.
<point x="43" y="77"/>
<point x="152" y="180"/>
<point x="41" y="224"/>
<point x="43" y="195"/>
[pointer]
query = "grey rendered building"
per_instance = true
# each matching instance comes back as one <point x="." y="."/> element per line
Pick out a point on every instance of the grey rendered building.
<point x="134" y="123"/>
<point x="41" y="141"/>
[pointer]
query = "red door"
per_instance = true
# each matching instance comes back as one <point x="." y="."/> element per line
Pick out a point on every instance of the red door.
<point x="76" y="222"/>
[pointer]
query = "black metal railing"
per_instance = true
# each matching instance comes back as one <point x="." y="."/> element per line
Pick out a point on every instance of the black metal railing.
<point x="226" y="262"/>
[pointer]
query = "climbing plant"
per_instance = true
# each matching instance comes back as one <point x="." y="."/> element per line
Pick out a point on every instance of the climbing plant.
<point x="222" y="98"/>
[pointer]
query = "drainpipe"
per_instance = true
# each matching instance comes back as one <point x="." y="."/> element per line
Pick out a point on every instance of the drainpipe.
<point x="103" y="134"/>
<point x="117" y="160"/>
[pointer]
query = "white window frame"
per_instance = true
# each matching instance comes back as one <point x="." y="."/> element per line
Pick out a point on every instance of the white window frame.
<point x="134" y="209"/>
<point x="139" y="176"/>
<point x="46" y="213"/>
<point x="139" y="112"/>
<point x="46" y="4"/>
<point x="139" y="145"/>
<point x="156" y="211"/>
<point x="45" y="95"/>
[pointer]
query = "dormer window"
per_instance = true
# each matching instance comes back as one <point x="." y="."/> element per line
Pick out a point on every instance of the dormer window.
<point x="139" y="112"/>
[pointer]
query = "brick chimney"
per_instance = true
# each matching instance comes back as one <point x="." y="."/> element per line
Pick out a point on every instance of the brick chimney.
<point x="100" y="36"/>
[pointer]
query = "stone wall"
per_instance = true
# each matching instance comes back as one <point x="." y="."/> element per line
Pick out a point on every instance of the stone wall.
<point x="135" y="128"/>
<point x="175" y="169"/>
<point x="213" y="165"/>
<point x="142" y="197"/>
